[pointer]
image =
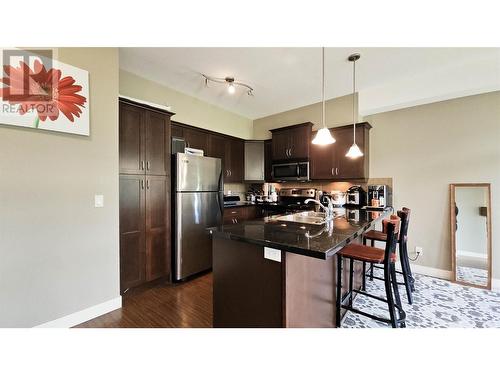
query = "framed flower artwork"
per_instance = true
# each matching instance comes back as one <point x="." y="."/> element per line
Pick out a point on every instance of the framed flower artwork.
<point x="39" y="92"/>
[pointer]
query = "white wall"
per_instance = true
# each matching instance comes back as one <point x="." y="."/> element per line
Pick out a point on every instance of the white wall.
<point x="424" y="149"/>
<point x="187" y="109"/>
<point x="59" y="254"/>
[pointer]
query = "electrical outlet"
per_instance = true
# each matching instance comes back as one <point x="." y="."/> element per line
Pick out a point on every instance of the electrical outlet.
<point x="419" y="250"/>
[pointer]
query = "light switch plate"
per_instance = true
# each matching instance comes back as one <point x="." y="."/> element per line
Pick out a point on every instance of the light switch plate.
<point x="99" y="200"/>
<point x="272" y="254"/>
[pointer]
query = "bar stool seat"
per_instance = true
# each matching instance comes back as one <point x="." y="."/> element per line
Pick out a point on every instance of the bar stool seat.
<point x="365" y="253"/>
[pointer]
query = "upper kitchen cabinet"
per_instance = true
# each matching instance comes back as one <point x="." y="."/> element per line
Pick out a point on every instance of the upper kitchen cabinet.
<point x="254" y="161"/>
<point x="231" y="151"/>
<point x="328" y="162"/>
<point x="268" y="160"/>
<point x="132" y="139"/>
<point x="196" y="139"/>
<point x="292" y="142"/>
<point x="144" y="145"/>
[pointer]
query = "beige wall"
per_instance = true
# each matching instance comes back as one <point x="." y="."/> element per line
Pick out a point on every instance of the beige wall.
<point x="427" y="147"/>
<point x="187" y="109"/>
<point x="59" y="254"/>
<point x="338" y="112"/>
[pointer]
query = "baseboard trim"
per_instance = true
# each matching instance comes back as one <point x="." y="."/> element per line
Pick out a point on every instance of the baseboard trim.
<point x="84" y="315"/>
<point x="495" y="285"/>
<point x="430" y="271"/>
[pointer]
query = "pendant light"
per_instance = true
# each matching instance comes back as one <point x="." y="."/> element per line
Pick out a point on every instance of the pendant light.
<point x="323" y="136"/>
<point x="354" y="152"/>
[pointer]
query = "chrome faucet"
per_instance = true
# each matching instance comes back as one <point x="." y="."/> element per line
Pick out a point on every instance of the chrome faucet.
<point x="328" y="209"/>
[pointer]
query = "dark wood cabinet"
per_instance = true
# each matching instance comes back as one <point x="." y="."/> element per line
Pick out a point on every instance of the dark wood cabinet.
<point x="144" y="194"/>
<point x="237" y="161"/>
<point x="328" y="162"/>
<point x="196" y="139"/>
<point x="292" y="142"/>
<point x="157" y="143"/>
<point x="231" y="151"/>
<point x="132" y="139"/>
<point x="144" y="145"/>
<point x="268" y="160"/>
<point x="235" y="215"/>
<point x="132" y="231"/>
<point x="157" y="227"/>
<point x="218" y="148"/>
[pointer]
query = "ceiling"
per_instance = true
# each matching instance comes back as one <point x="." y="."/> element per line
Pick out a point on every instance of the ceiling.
<point x="287" y="78"/>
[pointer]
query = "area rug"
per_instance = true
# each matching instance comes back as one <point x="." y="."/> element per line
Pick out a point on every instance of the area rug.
<point x="436" y="304"/>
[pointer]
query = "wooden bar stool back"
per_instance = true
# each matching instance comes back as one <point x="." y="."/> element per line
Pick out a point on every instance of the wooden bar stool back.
<point x="373" y="235"/>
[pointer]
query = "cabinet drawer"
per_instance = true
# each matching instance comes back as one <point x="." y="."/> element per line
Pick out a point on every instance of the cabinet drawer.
<point x="232" y="215"/>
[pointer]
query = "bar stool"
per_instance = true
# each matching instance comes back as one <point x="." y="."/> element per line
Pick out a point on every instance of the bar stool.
<point x="372" y="255"/>
<point x="374" y="235"/>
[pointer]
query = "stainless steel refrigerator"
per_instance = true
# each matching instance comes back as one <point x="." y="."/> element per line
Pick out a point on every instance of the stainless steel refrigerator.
<point x="197" y="205"/>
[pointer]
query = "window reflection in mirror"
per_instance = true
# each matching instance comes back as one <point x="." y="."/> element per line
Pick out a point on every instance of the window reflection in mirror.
<point x="470" y="230"/>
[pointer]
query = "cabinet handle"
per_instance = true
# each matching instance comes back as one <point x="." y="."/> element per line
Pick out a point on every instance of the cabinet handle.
<point x="336" y="171"/>
<point x="230" y="172"/>
<point x="147" y="184"/>
<point x="142" y="184"/>
<point x="148" y="164"/>
<point x="333" y="173"/>
<point x="234" y="212"/>
<point x="142" y="164"/>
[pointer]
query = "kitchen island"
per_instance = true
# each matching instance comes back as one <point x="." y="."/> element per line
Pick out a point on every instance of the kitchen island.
<point x="273" y="273"/>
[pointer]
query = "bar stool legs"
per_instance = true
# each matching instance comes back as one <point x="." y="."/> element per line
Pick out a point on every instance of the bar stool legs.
<point x="339" y="291"/>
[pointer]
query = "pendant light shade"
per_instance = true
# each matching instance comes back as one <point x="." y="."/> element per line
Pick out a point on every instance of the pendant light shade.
<point x="354" y="152"/>
<point x="323" y="136"/>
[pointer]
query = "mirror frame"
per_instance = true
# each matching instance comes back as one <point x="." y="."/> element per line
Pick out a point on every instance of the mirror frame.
<point x="452" y="232"/>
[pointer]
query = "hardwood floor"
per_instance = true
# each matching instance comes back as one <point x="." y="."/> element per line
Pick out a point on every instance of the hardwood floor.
<point x="185" y="305"/>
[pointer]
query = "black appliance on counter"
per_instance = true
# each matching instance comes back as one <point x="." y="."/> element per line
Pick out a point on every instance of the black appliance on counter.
<point x="355" y="197"/>
<point x="380" y="192"/>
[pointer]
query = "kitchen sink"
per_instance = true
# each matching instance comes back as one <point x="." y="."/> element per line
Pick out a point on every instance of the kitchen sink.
<point x="308" y="217"/>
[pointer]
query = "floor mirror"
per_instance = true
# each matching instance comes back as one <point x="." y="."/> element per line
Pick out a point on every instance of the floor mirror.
<point x="470" y="213"/>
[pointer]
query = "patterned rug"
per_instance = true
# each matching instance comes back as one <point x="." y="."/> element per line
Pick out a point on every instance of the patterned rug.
<point x="436" y="304"/>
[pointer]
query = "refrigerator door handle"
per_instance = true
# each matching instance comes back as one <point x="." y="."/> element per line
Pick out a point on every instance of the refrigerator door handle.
<point x="221" y="203"/>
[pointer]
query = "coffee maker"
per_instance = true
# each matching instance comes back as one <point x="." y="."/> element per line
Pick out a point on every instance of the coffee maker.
<point x="355" y="197"/>
<point x="380" y="193"/>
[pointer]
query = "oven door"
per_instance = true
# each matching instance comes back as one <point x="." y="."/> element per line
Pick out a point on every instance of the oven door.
<point x="285" y="172"/>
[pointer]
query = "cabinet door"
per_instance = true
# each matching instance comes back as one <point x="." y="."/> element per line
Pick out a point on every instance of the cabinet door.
<point x="237" y="161"/>
<point x="157" y="143"/>
<point x="132" y="141"/>
<point x="350" y="168"/>
<point x="132" y="231"/>
<point x="196" y="139"/>
<point x="268" y="160"/>
<point x="322" y="161"/>
<point x="157" y="222"/>
<point x="281" y="145"/>
<point x="177" y="131"/>
<point x="300" y="139"/>
<point x="218" y="148"/>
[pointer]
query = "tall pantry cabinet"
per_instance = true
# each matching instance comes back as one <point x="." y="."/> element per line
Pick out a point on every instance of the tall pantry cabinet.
<point x="144" y="142"/>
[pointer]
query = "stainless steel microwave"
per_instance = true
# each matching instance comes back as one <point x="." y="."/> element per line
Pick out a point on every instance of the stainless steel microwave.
<point x="291" y="171"/>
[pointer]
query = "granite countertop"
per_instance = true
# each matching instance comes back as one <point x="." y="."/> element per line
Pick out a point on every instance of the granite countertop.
<point x="317" y="241"/>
